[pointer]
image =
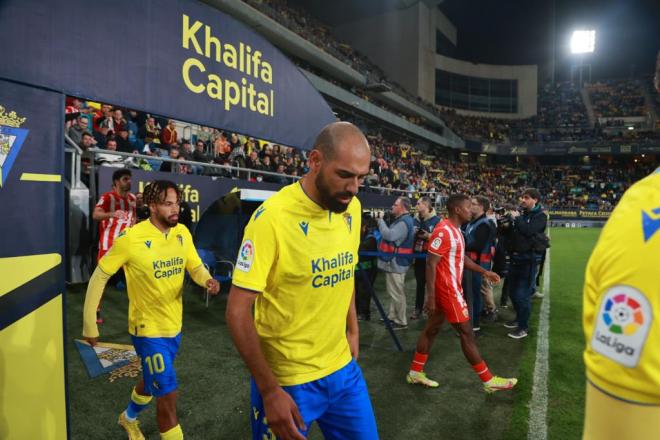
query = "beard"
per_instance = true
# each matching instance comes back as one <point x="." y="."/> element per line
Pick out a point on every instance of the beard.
<point x="167" y="221"/>
<point x="329" y="200"/>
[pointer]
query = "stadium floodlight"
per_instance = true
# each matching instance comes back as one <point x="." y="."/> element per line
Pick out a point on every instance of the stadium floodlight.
<point x="583" y="41"/>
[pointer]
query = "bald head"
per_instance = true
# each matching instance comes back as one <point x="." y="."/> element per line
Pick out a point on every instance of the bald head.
<point x="339" y="135"/>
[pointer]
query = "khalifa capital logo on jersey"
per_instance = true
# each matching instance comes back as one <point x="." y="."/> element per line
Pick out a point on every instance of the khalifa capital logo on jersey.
<point x="245" y="256"/>
<point x="11" y="141"/>
<point x="650" y="225"/>
<point x="622" y="325"/>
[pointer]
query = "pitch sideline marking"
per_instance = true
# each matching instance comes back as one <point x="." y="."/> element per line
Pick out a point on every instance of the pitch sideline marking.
<point x="538" y="407"/>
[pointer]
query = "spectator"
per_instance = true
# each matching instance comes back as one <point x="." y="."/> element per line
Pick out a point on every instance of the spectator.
<point x="221" y="147"/>
<point x="199" y="155"/>
<point x="118" y="121"/>
<point x="169" y="134"/>
<point x="77" y="130"/>
<point x="110" y="160"/>
<point x="123" y="143"/>
<point x="149" y="131"/>
<point x="169" y="167"/>
<point x="186" y="151"/>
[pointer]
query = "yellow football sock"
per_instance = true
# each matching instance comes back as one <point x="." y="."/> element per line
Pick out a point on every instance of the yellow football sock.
<point x="173" y="434"/>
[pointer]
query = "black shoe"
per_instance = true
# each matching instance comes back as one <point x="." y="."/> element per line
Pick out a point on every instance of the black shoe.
<point x="518" y="334"/>
<point x="363" y="318"/>
<point x="511" y="324"/>
<point x="490" y="317"/>
<point x="416" y="314"/>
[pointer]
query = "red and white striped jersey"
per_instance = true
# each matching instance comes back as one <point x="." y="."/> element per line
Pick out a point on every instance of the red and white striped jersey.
<point x="447" y="242"/>
<point x="110" y="228"/>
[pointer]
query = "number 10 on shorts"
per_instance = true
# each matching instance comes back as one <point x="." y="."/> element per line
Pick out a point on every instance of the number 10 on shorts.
<point x="155" y="363"/>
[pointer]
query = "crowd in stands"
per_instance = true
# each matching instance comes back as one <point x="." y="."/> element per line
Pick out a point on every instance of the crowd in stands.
<point x="396" y="164"/>
<point x="562" y="116"/>
<point x="586" y="187"/>
<point x="617" y="98"/>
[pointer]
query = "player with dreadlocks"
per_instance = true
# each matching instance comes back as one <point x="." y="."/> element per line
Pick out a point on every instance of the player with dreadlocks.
<point x="155" y="254"/>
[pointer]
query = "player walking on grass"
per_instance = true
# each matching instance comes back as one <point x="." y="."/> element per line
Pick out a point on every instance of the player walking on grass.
<point x="296" y="267"/>
<point x="444" y="297"/>
<point x="155" y="254"/>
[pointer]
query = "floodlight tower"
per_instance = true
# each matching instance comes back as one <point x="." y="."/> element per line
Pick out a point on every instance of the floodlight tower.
<point x="582" y="42"/>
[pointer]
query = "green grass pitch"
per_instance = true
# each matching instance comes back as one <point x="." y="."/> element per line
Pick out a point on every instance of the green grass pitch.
<point x="214" y="384"/>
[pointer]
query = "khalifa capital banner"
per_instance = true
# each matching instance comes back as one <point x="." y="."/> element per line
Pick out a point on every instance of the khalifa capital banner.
<point x="200" y="192"/>
<point x="176" y="58"/>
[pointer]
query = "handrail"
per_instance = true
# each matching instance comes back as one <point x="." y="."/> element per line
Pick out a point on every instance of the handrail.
<point x="76" y="154"/>
<point x="73" y="144"/>
<point x="249" y="171"/>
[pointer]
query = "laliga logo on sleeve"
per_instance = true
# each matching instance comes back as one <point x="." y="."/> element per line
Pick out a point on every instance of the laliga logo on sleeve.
<point x="623" y="324"/>
<point x="245" y="256"/>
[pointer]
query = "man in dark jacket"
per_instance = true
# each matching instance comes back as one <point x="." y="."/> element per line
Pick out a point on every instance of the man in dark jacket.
<point x="528" y="242"/>
<point x="368" y="265"/>
<point x="480" y="236"/>
<point x="425" y="222"/>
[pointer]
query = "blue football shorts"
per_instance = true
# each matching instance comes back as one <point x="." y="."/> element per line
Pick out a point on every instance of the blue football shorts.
<point x="339" y="403"/>
<point x="157" y="358"/>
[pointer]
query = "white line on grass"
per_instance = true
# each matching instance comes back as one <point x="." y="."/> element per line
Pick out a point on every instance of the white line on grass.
<point x="538" y="407"/>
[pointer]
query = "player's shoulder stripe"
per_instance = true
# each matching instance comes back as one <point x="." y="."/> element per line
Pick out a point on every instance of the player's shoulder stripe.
<point x="273" y="206"/>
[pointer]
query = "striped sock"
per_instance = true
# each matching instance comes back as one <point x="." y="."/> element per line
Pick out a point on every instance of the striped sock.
<point x="173" y="434"/>
<point x="136" y="405"/>
<point x="418" y="362"/>
<point x="482" y="371"/>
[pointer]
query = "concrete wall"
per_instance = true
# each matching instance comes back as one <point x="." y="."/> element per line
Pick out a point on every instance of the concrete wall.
<point x="390" y="40"/>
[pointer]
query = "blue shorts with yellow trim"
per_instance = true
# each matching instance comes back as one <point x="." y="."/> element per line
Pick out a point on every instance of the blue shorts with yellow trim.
<point x="339" y="403"/>
<point x="157" y="358"/>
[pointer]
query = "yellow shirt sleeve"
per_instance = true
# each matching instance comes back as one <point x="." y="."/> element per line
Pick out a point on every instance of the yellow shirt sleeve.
<point x="95" y="288"/>
<point x="118" y="254"/>
<point x="258" y="252"/>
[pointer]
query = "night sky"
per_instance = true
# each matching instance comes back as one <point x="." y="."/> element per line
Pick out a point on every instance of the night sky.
<point x="520" y="32"/>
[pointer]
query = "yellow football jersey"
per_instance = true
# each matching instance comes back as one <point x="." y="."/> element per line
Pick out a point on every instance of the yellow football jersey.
<point x="301" y="258"/>
<point x="154" y="264"/>
<point x="622" y="298"/>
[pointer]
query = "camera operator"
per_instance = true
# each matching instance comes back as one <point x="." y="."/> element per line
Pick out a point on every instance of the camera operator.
<point x="425" y="222"/>
<point x="397" y="239"/>
<point x="527" y="243"/>
<point x="502" y="258"/>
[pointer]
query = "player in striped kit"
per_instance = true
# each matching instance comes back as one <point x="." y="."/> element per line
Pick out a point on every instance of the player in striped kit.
<point x="115" y="211"/>
<point x="444" y="297"/>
